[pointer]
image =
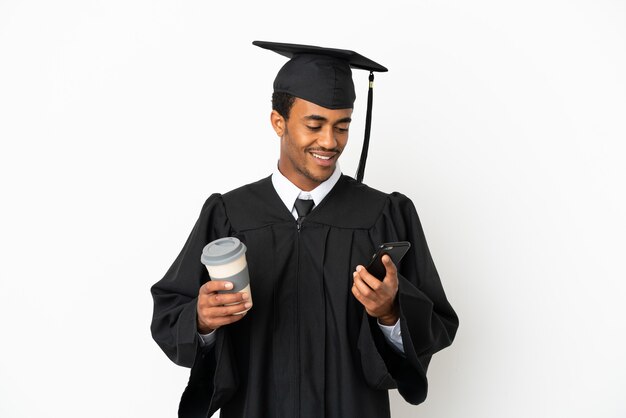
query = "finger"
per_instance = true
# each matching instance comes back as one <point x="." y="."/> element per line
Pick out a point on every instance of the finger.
<point x="358" y="295"/>
<point x="213" y="318"/>
<point x="364" y="290"/>
<point x="390" y="267"/>
<point x="209" y="314"/>
<point x="225" y="320"/>
<point x="369" y="279"/>
<point x="236" y="309"/>
<point x="215" y="285"/>
<point x="217" y="299"/>
<point x="367" y="304"/>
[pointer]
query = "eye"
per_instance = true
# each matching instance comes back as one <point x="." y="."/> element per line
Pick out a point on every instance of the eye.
<point x="314" y="128"/>
<point x="342" y="130"/>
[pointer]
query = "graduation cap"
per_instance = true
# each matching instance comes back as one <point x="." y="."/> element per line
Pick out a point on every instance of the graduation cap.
<point x="323" y="76"/>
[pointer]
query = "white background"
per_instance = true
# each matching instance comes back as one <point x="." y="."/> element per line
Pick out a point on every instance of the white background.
<point x="503" y="121"/>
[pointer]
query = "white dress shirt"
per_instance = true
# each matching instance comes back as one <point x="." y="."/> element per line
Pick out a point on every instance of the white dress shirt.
<point x="288" y="193"/>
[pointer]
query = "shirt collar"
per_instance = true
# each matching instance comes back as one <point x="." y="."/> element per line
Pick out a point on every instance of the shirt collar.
<point x="289" y="192"/>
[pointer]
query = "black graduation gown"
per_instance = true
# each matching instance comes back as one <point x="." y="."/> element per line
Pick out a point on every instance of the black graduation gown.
<point x="307" y="348"/>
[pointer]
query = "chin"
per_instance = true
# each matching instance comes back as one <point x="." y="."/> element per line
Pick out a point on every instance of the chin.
<point x="322" y="177"/>
<point x="318" y="177"/>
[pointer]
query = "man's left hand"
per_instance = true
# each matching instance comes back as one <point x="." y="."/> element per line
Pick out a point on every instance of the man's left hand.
<point x="378" y="297"/>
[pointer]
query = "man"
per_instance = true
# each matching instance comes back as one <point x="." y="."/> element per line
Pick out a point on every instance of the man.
<point x="323" y="338"/>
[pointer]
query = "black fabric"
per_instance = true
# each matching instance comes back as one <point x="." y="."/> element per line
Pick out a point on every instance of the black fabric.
<point x="319" y="75"/>
<point x="290" y="50"/>
<point x="306" y="348"/>
<point x="322" y="80"/>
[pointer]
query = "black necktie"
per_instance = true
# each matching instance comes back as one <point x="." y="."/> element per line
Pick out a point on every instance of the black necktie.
<point x="303" y="207"/>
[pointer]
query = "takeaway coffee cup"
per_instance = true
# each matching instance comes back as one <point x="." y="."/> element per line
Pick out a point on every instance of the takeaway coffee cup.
<point x="225" y="259"/>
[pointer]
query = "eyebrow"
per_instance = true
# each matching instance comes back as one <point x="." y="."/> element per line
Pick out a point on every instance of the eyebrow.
<point x="316" y="117"/>
<point x="323" y="119"/>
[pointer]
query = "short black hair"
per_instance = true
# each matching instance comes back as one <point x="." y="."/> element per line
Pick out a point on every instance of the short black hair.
<point x="282" y="103"/>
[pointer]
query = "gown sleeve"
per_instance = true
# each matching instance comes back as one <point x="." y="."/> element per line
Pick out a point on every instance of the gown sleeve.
<point x="174" y="322"/>
<point x="427" y="320"/>
<point x="174" y="326"/>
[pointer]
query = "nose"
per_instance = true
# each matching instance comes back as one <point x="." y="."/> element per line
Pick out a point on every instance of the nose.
<point x="327" y="138"/>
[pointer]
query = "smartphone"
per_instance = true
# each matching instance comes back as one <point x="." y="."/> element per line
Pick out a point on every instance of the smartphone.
<point x="395" y="250"/>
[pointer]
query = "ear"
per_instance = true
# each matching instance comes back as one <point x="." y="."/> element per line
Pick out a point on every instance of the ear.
<point x="278" y="123"/>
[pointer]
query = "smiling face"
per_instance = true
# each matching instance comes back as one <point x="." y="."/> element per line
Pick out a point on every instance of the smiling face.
<point x="311" y="141"/>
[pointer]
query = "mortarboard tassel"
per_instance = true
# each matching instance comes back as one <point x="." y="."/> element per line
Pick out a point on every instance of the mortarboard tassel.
<point x="368" y="126"/>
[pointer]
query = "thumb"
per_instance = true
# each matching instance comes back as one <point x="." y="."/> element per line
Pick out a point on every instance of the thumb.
<point x="390" y="267"/>
<point x="387" y="261"/>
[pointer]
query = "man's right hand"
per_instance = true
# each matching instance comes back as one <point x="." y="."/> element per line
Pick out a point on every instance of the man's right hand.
<point x="212" y="311"/>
